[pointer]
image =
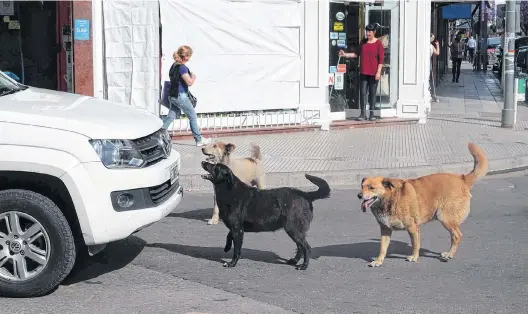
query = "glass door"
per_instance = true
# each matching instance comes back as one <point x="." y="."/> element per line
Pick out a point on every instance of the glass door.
<point x="386" y="15"/>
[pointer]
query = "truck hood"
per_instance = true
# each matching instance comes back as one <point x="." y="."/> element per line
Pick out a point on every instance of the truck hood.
<point x="93" y="117"/>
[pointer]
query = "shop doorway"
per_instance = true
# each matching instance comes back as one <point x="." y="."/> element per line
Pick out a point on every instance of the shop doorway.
<point x="347" y="24"/>
<point x="36" y="43"/>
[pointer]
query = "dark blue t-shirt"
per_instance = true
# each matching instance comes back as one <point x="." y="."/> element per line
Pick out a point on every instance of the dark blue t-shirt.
<point x="183" y="88"/>
<point x="175" y="74"/>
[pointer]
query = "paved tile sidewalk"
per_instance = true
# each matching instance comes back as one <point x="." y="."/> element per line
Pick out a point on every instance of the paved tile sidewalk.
<point x="344" y="156"/>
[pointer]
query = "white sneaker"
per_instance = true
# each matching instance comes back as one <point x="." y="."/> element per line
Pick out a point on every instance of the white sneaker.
<point x="203" y="142"/>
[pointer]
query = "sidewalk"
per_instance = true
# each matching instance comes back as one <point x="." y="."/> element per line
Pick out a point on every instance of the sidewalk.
<point x="467" y="111"/>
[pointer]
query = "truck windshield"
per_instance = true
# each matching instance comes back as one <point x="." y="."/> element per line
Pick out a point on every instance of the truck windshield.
<point x="8" y="85"/>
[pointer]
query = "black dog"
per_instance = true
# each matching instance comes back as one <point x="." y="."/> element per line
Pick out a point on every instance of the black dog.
<point x="248" y="209"/>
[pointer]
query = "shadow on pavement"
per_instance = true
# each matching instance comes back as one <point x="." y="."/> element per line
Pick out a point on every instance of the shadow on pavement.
<point x="197" y="214"/>
<point x="115" y="256"/>
<point x="364" y="250"/>
<point x="369" y="250"/>
<point x="216" y="254"/>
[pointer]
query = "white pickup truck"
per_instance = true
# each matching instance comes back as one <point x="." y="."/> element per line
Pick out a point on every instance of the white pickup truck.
<point x="76" y="172"/>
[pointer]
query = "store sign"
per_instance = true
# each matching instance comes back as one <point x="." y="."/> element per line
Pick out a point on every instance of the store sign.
<point x="81" y="29"/>
<point x="331" y="78"/>
<point x="338" y="26"/>
<point x="339" y="82"/>
<point x="7" y="8"/>
<point x="340" y="16"/>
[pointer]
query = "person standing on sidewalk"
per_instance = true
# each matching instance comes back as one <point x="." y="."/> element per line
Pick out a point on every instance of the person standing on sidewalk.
<point x="471" y="44"/>
<point x="434" y="48"/>
<point x="181" y="78"/>
<point x="457" y="53"/>
<point x="372" y="56"/>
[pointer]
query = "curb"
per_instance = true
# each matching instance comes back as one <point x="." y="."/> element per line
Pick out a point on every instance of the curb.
<point x="336" y="125"/>
<point x="353" y="177"/>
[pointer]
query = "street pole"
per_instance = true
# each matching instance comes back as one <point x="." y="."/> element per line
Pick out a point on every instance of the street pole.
<point x="485" y="49"/>
<point x="508" y="113"/>
<point x="479" y="40"/>
<point x="517" y="17"/>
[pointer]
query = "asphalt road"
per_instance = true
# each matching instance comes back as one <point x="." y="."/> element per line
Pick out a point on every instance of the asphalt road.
<point x="175" y="265"/>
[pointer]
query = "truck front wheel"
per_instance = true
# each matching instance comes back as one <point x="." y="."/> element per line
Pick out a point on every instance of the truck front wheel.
<point x="37" y="249"/>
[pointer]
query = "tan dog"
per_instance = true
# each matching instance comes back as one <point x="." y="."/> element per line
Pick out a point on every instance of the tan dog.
<point x="250" y="170"/>
<point x="401" y="204"/>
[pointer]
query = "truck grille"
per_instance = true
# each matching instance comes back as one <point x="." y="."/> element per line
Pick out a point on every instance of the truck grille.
<point x="160" y="193"/>
<point x="154" y="147"/>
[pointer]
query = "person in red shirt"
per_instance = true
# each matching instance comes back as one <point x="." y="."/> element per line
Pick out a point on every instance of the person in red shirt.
<point x="371" y="55"/>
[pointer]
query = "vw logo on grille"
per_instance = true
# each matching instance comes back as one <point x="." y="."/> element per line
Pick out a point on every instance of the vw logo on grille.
<point x="165" y="144"/>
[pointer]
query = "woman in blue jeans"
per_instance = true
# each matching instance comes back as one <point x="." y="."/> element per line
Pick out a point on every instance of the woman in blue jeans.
<point x="181" y="78"/>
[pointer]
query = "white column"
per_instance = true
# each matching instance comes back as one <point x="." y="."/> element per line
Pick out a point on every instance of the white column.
<point x="314" y="56"/>
<point x="414" y="57"/>
<point x="97" y="47"/>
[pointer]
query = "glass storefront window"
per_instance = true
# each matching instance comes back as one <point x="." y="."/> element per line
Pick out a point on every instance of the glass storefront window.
<point x="347" y="30"/>
<point x="387" y="16"/>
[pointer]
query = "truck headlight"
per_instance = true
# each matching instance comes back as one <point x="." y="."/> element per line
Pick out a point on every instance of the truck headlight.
<point x="118" y="153"/>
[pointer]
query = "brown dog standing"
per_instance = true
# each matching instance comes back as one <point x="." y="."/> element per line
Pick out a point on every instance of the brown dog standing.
<point x="250" y="170"/>
<point x="400" y="204"/>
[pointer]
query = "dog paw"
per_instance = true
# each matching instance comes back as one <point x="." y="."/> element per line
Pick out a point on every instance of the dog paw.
<point x="375" y="263"/>
<point x="301" y="267"/>
<point x="229" y="264"/>
<point x="292" y="261"/>
<point x="447" y="255"/>
<point x="412" y="258"/>
<point x="212" y="222"/>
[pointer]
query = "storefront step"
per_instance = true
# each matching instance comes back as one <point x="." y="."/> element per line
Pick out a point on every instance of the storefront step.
<point x="335" y="125"/>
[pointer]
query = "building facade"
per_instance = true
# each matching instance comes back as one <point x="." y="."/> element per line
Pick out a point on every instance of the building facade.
<point x="256" y="58"/>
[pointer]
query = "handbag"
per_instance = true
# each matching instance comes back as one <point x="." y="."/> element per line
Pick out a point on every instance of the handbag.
<point x="192" y="98"/>
<point x="164" y="100"/>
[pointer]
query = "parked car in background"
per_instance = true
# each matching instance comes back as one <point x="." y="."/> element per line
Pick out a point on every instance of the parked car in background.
<point x="521" y="46"/>
<point x="494" y="43"/>
<point x="76" y="173"/>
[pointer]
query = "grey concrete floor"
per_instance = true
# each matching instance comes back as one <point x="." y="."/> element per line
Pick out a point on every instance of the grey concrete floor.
<point x="175" y="265"/>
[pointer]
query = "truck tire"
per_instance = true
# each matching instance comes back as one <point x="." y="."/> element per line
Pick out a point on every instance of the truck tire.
<point x="37" y="249"/>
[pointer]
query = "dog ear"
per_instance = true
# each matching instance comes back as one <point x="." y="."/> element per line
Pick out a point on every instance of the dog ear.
<point x="363" y="180"/>
<point x="387" y="184"/>
<point x="229" y="148"/>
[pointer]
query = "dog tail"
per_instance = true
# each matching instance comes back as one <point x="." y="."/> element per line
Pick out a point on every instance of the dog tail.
<point x="480" y="167"/>
<point x="255" y="152"/>
<point x="322" y="192"/>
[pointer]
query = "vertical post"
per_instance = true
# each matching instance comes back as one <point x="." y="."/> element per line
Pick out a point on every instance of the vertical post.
<point x="517" y="17"/>
<point x="480" y="47"/>
<point x="485" y="36"/>
<point x="508" y="113"/>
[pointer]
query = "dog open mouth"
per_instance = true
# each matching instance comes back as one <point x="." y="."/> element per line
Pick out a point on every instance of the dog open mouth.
<point x="366" y="204"/>
<point x="207" y="176"/>
<point x="210" y="157"/>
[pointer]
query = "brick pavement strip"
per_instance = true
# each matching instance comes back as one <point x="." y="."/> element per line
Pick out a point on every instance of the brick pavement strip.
<point x="344" y="156"/>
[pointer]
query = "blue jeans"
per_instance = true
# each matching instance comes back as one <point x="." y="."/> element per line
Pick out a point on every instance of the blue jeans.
<point x="184" y="103"/>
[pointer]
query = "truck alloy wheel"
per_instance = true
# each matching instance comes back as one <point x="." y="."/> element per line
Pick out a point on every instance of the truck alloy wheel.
<point x="37" y="249"/>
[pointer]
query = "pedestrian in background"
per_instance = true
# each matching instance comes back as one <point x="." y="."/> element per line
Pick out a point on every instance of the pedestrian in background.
<point x="181" y="78"/>
<point x="457" y="53"/>
<point x="471" y="44"/>
<point x="434" y="50"/>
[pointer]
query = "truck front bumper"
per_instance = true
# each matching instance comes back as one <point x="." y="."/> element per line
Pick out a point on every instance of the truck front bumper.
<point x="99" y="196"/>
